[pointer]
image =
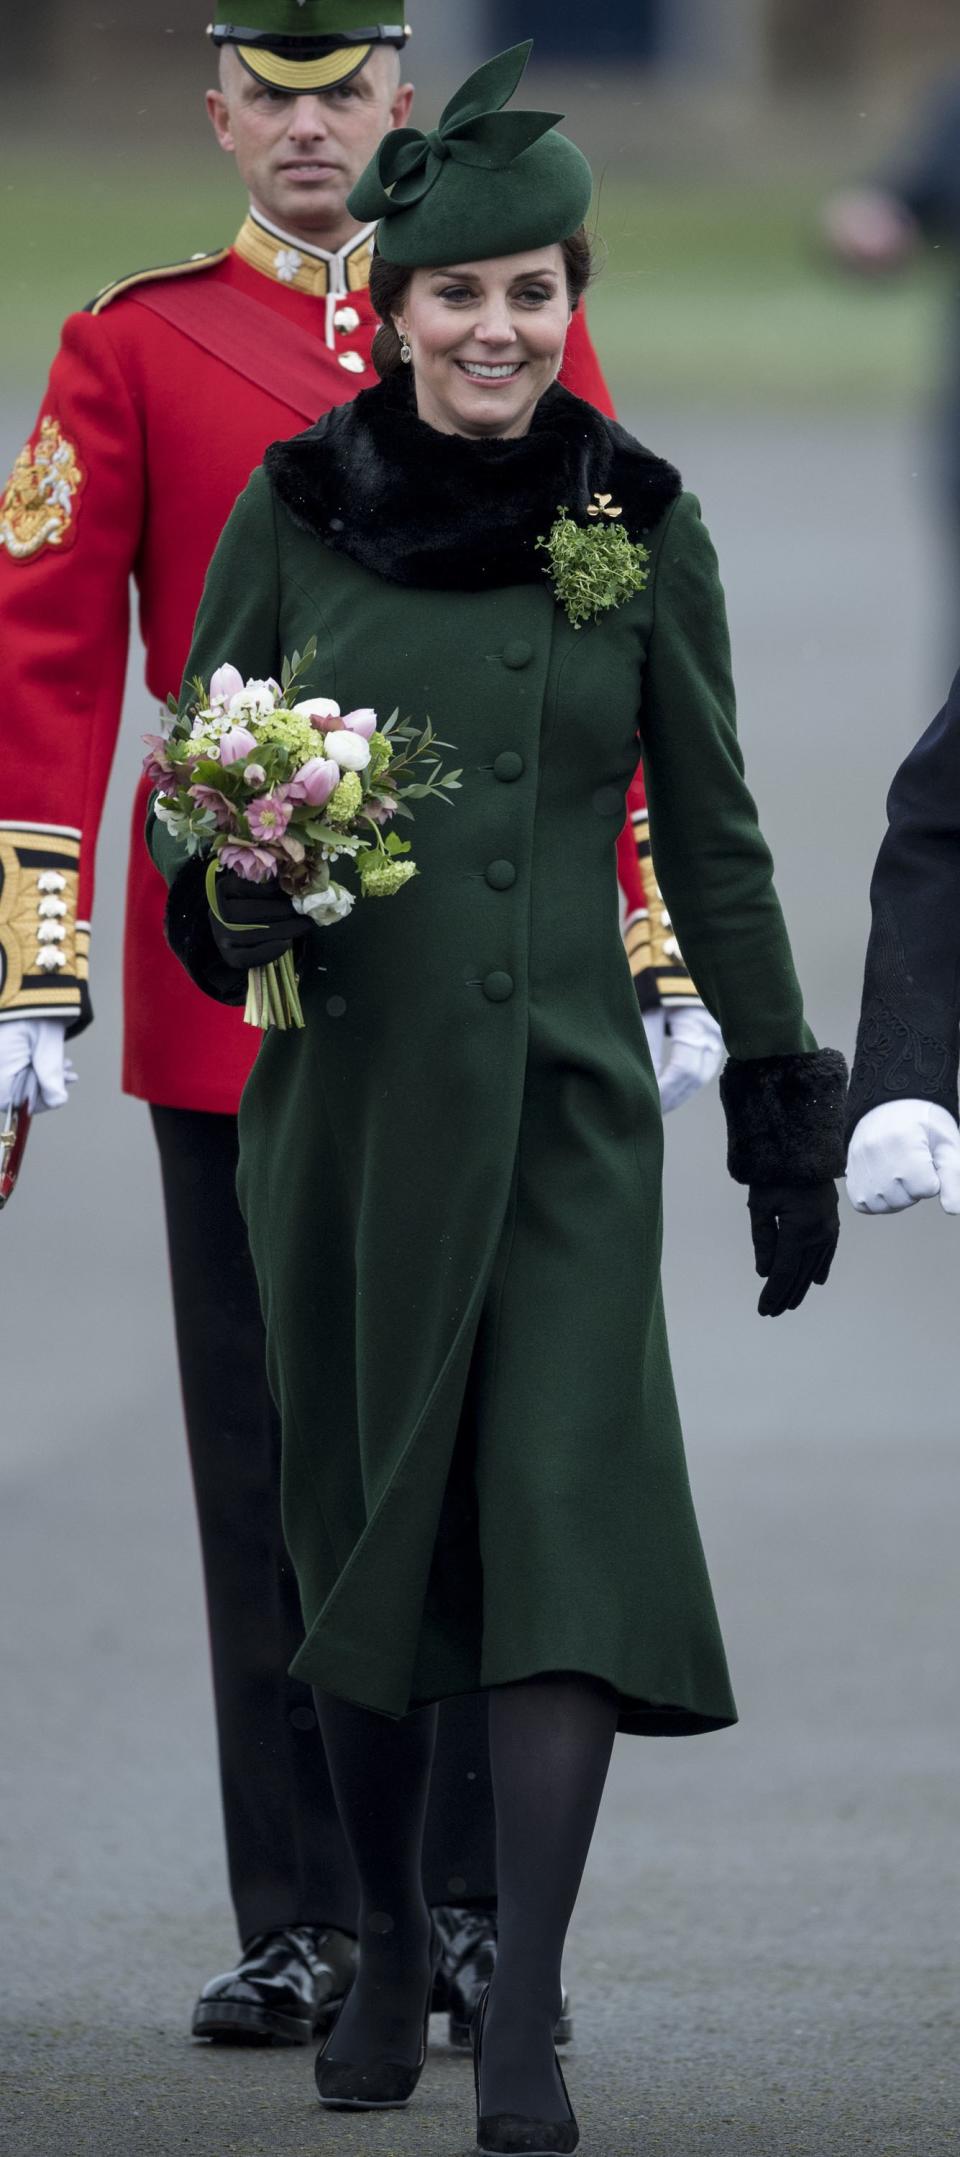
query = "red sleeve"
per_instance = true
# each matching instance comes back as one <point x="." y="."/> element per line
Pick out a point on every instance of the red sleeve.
<point x="628" y="861"/>
<point x="581" y="372"/>
<point x="70" y="526"/>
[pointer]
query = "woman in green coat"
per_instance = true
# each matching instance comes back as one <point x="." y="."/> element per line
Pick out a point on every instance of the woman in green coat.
<point x="484" y="1479"/>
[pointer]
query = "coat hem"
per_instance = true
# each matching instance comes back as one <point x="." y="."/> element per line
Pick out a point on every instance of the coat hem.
<point x="640" y="1715"/>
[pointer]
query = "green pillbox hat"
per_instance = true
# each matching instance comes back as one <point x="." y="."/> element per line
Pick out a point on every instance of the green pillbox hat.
<point x="308" y="45"/>
<point x="484" y="183"/>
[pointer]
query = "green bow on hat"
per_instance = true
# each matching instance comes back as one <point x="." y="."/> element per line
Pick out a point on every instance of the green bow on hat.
<point x="425" y="191"/>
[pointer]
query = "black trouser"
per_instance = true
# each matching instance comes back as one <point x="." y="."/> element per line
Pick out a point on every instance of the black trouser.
<point x="286" y="1856"/>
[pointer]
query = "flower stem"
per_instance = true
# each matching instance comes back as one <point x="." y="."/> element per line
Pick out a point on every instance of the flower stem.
<point x="288" y="973"/>
<point x="273" y="996"/>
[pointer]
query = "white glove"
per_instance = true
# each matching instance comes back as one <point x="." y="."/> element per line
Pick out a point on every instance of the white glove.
<point x="655" y="1027"/>
<point x="33" y="1064"/>
<point x="901" y="1152"/>
<point x="688" y="1055"/>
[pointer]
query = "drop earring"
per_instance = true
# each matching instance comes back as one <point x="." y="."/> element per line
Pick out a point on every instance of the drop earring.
<point x="405" y="352"/>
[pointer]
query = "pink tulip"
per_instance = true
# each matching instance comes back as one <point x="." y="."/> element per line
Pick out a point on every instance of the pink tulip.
<point x="256" y="863"/>
<point x="225" y="684"/>
<point x="269" y="816"/>
<point x="235" y="744"/>
<point x="314" y="782"/>
<point x="362" y="722"/>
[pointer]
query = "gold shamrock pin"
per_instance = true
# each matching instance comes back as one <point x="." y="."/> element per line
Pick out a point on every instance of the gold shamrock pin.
<point x="604" y="506"/>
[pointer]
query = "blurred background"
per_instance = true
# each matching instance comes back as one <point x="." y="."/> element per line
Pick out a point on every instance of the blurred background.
<point x="765" y="1928"/>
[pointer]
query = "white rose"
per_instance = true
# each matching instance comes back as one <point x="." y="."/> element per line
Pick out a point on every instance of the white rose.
<point x="326" y="907"/>
<point x="256" y="701"/>
<point x="348" y="750"/>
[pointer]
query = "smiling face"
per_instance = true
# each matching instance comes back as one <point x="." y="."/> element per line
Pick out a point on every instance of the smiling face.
<point x="300" y="156"/>
<point x="487" y="339"/>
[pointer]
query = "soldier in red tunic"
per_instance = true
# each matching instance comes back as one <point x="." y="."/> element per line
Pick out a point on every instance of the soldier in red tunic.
<point x="163" y="396"/>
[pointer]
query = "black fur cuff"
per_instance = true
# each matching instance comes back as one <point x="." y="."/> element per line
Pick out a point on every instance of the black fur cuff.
<point x="190" y="937"/>
<point x="785" y="1118"/>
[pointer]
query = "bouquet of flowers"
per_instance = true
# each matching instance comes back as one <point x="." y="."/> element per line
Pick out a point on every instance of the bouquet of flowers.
<point x="270" y="785"/>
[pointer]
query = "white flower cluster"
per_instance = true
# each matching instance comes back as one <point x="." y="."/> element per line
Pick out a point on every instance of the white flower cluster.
<point x="51" y="917"/>
<point x="324" y="908"/>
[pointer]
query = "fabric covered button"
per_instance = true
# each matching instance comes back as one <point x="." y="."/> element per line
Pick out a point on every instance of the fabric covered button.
<point x="501" y="875"/>
<point x="518" y="653"/>
<point x="498" y="987"/>
<point x="347" y="319"/>
<point x="354" y="362"/>
<point x="608" y="801"/>
<point x="508" y="765"/>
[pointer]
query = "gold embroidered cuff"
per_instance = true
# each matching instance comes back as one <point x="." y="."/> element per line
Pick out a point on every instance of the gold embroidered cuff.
<point x="44" y="949"/>
<point x="651" y="944"/>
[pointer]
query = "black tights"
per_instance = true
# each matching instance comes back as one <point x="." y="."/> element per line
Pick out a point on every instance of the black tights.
<point x="550" y="1744"/>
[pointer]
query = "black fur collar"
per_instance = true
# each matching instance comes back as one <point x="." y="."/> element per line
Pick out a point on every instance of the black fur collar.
<point x="439" y="512"/>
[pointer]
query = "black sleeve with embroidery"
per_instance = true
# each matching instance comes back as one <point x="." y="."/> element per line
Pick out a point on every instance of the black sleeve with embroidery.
<point x="909" y="1034"/>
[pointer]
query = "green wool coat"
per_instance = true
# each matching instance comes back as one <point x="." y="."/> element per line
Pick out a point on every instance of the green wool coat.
<point x="452" y="1178"/>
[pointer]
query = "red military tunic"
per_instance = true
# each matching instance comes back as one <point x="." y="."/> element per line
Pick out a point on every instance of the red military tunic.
<point x="149" y="429"/>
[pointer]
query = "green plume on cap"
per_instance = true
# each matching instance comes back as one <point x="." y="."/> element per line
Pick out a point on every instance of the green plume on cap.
<point x="424" y="189"/>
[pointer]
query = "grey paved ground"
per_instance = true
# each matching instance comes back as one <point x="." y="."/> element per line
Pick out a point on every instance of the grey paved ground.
<point x="765" y="1954"/>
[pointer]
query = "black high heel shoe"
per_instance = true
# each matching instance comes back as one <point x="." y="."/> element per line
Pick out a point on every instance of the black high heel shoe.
<point x="383" y="2085"/>
<point x="509" y="2134"/>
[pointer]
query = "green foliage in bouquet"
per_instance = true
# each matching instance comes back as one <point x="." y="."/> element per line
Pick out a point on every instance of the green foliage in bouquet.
<point x="272" y="784"/>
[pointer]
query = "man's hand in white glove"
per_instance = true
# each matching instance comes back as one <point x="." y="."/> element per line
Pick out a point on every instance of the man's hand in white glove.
<point x="687" y="1051"/>
<point x="33" y="1065"/>
<point x="901" y="1152"/>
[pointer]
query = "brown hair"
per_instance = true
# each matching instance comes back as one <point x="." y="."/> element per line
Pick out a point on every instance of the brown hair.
<point x="390" y="283"/>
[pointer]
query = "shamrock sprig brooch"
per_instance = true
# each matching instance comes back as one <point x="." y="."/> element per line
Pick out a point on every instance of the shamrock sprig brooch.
<point x="594" y="566"/>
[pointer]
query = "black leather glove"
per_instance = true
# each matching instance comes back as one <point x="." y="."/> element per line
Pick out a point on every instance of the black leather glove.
<point x="259" y="921"/>
<point x="795" y="1235"/>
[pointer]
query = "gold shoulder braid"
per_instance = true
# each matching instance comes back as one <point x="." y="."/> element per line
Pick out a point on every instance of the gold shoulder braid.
<point x="189" y="268"/>
<point x="38" y="506"/>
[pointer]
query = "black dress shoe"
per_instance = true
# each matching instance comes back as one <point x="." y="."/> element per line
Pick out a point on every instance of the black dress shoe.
<point x="383" y="2085"/>
<point x="286" y="1986"/>
<point x="469" y="1942"/>
<point x="511" y="2134"/>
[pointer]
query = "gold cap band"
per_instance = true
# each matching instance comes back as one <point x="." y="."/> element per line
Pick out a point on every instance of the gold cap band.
<point x="321" y="72"/>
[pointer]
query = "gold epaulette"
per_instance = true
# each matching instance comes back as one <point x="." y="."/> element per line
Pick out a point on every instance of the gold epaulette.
<point x="651" y="944"/>
<point x="152" y="277"/>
